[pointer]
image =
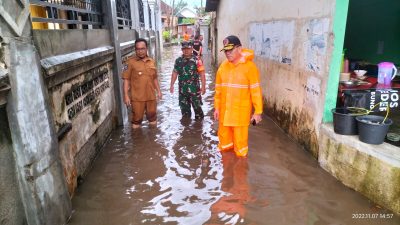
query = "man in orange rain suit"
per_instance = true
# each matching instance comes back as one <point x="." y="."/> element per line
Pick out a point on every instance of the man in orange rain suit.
<point x="237" y="91"/>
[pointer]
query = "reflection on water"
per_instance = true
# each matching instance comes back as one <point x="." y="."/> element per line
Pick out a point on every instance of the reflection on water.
<point x="173" y="174"/>
<point x="230" y="208"/>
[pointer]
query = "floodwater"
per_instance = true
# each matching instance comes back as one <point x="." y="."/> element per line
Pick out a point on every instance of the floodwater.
<point x="173" y="174"/>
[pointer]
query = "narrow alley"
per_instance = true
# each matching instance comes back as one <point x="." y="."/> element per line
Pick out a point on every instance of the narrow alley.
<point x="68" y="154"/>
<point x="174" y="174"/>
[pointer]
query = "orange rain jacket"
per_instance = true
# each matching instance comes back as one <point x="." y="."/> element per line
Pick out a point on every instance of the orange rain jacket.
<point x="237" y="90"/>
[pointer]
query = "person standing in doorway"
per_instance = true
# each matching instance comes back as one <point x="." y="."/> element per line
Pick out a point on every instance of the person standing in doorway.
<point x="190" y="71"/>
<point x="141" y="85"/>
<point x="237" y="91"/>
<point x="197" y="47"/>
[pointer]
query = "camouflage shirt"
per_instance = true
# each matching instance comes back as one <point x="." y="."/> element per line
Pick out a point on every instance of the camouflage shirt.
<point x="188" y="70"/>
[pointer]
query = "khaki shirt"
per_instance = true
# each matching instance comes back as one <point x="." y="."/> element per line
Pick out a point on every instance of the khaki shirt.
<point x="141" y="73"/>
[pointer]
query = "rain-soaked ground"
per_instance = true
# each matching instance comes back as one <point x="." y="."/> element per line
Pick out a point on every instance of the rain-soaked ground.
<point x="173" y="174"/>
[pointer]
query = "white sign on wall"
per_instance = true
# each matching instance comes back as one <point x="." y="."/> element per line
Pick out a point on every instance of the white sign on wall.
<point x="316" y="44"/>
<point x="273" y="40"/>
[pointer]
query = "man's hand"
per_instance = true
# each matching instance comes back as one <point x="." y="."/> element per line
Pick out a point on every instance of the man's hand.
<point x="216" y="115"/>
<point x="256" y="117"/>
<point x="159" y="95"/>
<point x="127" y="100"/>
<point x="171" y="89"/>
<point x="203" y="90"/>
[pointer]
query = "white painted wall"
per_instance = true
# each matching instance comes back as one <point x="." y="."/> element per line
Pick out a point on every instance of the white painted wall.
<point x="293" y="43"/>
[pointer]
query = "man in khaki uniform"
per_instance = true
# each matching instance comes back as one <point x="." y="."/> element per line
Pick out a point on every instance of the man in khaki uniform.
<point x="140" y="80"/>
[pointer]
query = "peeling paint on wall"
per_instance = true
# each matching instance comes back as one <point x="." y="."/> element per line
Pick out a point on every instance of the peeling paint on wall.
<point x="86" y="102"/>
<point x="316" y="44"/>
<point x="273" y="40"/>
<point x="297" y="122"/>
<point x="313" y="91"/>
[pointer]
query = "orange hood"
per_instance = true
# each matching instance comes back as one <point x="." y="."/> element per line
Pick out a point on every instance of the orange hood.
<point x="247" y="55"/>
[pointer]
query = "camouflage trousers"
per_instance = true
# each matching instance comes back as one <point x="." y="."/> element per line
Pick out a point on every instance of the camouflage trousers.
<point x="186" y="102"/>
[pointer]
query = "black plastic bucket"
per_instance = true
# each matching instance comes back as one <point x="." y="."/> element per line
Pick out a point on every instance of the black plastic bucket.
<point x="344" y="122"/>
<point x="371" y="130"/>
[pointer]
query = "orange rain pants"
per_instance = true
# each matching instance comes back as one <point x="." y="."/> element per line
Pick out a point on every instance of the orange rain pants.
<point x="233" y="137"/>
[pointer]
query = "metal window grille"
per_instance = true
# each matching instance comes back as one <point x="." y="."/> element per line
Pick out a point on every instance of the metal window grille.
<point x="150" y="22"/>
<point x="123" y="14"/>
<point x="73" y="14"/>
<point x="141" y="14"/>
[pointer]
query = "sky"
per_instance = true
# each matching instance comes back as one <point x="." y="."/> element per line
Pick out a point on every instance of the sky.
<point x="191" y="3"/>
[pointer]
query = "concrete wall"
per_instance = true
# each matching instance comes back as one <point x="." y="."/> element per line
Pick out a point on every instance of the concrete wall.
<point x="11" y="209"/>
<point x="84" y="110"/>
<point x="371" y="170"/>
<point x="214" y="39"/>
<point x="79" y="75"/>
<point x="42" y="184"/>
<point x="31" y="167"/>
<point x="293" y="44"/>
<point x="58" y="42"/>
<point x="80" y="82"/>
<point x="126" y="35"/>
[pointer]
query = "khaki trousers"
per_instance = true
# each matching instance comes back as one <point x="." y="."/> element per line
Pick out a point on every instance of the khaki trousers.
<point x="139" y="108"/>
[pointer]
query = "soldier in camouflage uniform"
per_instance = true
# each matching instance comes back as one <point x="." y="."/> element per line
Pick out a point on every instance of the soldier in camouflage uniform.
<point x="189" y="70"/>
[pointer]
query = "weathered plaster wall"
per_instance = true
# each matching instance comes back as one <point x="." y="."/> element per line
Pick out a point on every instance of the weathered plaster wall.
<point x="83" y="103"/>
<point x="152" y="45"/>
<point x="292" y="42"/>
<point x="41" y="185"/>
<point x="126" y="35"/>
<point x="58" y="42"/>
<point x="79" y="74"/>
<point x="4" y="80"/>
<point x="372" y="171"/>
<point x="11" y="210"/>
<point x="44" y="192"/>
<point x="81" y="91"/>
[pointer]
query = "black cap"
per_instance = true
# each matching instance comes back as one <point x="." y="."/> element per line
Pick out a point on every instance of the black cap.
<point x="187" y="44"/>
<point x="230" y="42"/>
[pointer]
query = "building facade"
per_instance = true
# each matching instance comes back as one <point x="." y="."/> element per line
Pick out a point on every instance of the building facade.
<point x="61" y="95"/>
<point x="298" y="48"/>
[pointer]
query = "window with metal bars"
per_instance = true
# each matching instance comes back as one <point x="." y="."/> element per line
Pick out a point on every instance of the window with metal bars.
<point x="141" y="13"/>
<point x="123" y="14"/>
<point x="66" y="14"/>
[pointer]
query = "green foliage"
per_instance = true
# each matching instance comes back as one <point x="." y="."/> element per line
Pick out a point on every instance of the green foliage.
<point x="166" y="35"/>
<point x="186" y="20"/>
<point x="200" y="11"/>
<point x="174" y="40"/>
<point x="179" y="6"/>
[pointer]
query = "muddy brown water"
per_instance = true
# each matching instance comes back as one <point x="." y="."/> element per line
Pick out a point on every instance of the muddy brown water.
<point x="173" y="174"/>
